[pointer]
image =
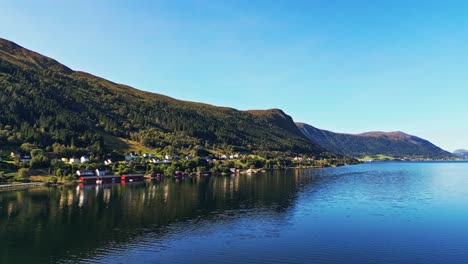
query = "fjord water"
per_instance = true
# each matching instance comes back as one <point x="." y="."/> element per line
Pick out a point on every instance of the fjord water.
<point x="370" y="213"/>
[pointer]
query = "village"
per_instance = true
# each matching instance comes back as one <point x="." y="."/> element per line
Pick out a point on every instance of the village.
<point x="39" y="166"/>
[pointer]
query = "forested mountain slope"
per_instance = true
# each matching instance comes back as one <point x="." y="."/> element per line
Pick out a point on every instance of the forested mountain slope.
<point x="46" y="104"/>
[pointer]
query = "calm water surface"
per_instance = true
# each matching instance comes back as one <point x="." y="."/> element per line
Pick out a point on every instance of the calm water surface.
<point x="369" y="213"/>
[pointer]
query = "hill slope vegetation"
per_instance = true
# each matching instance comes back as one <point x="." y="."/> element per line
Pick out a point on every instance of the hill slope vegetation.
<point x="50" y="106"/>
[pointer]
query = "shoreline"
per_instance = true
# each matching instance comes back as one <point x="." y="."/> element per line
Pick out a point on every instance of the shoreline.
<point x="20" y="186"/>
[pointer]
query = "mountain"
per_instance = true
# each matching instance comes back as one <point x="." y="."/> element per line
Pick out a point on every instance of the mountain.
<point x="463" y="153"/>
<point x="392" y="144"/>
<point x="50" y="106"/>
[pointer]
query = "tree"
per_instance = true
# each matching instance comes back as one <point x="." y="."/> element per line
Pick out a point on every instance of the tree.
<point x="2" y="176"/>
<point x="39" y="162"/>
<point x="23" y="174"/>
<point x="39" y="159"/>
<point x="201" y="169"/>
<point x="27" y="147"/>
<point x="169" y="171"/>
<point x="37" y="153"/>
<point x="121" y="169"/>
<point x="58" y="173"/>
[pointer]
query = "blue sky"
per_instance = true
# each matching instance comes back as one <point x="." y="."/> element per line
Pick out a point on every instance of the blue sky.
<point x="345" y="66"/>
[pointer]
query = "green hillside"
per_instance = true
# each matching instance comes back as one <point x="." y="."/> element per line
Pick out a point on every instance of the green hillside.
<point x="374" y="144"/>
<point x="52" y="107"/>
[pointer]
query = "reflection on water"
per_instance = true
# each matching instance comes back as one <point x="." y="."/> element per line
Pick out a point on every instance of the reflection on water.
<point x="59" y="223"/>
<point x="383" y="212"/>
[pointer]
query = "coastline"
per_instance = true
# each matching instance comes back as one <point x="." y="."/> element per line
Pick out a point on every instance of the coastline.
<point x="20" y="186"/>
<point x="36" y="184"/>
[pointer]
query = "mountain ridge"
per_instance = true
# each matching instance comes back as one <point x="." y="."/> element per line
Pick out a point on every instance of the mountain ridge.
<point x="14" y="51"/>
<point x="395" y="144"/>
<point x="463" y="153"/>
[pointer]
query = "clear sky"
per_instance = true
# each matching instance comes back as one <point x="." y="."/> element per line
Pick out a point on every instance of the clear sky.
<point x="345" y="66"/>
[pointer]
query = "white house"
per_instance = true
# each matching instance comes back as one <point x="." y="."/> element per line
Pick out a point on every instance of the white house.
<point x="84" y="159"/>
<point x="101" y="173"/>
<point x="82" y="173"/>
<point x="131" y="157"/>
<point x="74" y="161"/>
<point x="25" y="158"/>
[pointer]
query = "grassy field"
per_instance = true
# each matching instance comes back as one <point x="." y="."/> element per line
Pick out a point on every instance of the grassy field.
<point x="377" y="157"/>
<point x="124" y="145"/>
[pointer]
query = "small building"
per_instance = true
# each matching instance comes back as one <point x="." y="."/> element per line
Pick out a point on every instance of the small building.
<point x="131" y="156"/>
<point x="74" y="161"/>
<point x="108" y="162"/>
<point x="84" y="173"/>
<point x="25" y="158"/>
<point x="101" y="172"/>
<point x="84" y="159"/>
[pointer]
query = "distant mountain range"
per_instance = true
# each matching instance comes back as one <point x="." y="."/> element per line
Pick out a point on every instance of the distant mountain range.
<point x="463" y="153"/>
<point x="373" y="144"/>
<point x="49" y="105"/>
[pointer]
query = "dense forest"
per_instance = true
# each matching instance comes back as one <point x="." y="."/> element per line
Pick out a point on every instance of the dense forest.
<point x="392" y="144"/>
<point x="51" y="107"/>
